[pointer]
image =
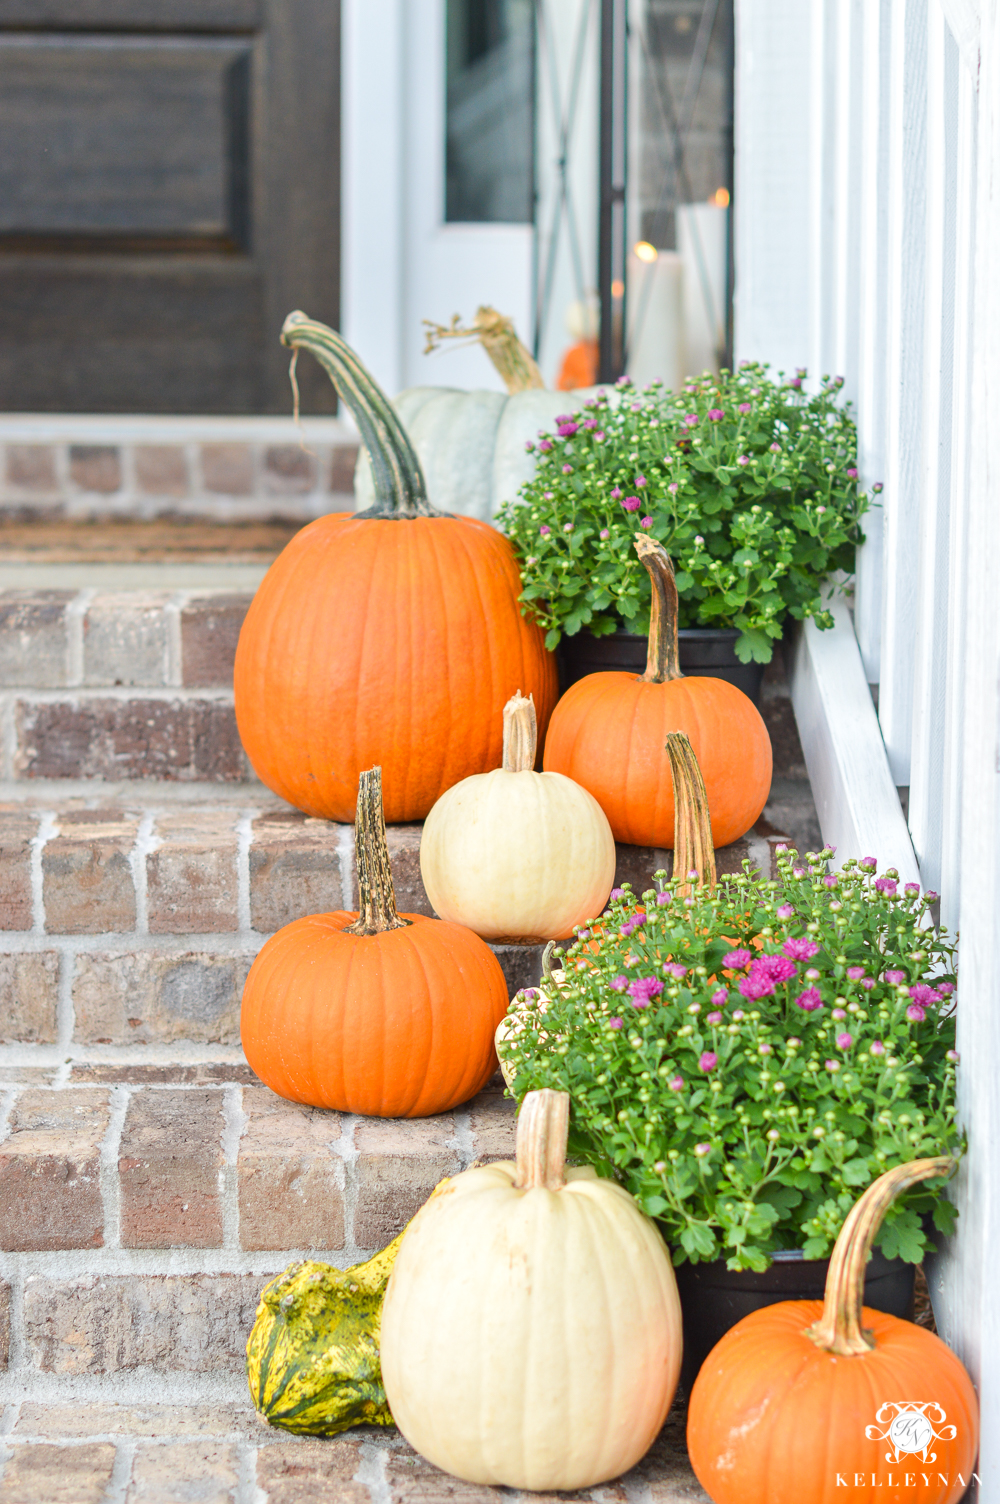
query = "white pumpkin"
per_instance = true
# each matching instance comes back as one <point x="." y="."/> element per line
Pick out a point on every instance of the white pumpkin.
<point x="531" y="1332"/>
<point x="517" y="855"/>
<point x="471" y="444"/>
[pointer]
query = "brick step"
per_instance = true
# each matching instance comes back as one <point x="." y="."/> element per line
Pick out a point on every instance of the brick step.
<point x="131" y="922"/>
<point x="148" y="1452"/>
<point x="219" y="469"/>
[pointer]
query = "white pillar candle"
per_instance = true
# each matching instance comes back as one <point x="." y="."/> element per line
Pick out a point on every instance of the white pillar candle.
<point x="655" y="317"/>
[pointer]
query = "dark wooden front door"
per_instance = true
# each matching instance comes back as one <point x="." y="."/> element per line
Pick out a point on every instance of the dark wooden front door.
<point x="169" y="191"/>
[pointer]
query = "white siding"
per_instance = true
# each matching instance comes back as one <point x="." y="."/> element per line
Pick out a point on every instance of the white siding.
<point x="868" y="241"/>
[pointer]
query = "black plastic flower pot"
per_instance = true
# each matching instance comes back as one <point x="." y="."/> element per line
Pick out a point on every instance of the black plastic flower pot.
<point x="714" y="1298"/>
<point x="708" y="652"/>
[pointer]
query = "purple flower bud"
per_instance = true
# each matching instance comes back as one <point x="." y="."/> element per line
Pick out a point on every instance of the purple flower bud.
<point x="915" y="1013"/>
<point x="675" y="969"/>
<point x="852" y="473"/>
<point x="886" y="885"/>
<point x="604" y="535"/>
<point x="775" y="448"/>
<point x="877" y="487"/>
<point x="793" y="1043"/>
<point x="567" y="469"/>
<point x="868" y="863"/>
<point x="743" y="407"/>
<point x="708" y="1061"/>
<point x="946" y="988"/>
<point x="673" y="488"/>
<point x="676" y="1083"/>
<point x="715" y="413"/>
<point x="662" y="899"/>
<point x="743" y="459"/>
<point x="764" y="1048"/>
<point x="616" y="494"/>
<point x="529" y="446"/>
<point x="737" y="959"/>
<point x="855" y="973"/>
<point x="720" y="997"/>
<point x="812" y="975"/>
<point x="617" y="893"/>
<point x="545" y="445"/>
<point x="831" y="881"/>
<point x="631" y="503"/>
<point x="568" y="527"/>
<point x="868" y="983"/>
<point x="691" y="421"/>
<point x="953" y="1056"/>
<point x="615" y="1023"/>
<point x="646" y="522"/>
<point x="640" y="481"/>
<point x="599" y="434"/>
<point x="876" y="1047"/>
<point x="739" y="1016"/>
<point x="838" y="1013"/>
<point x="911" y="890"/>
<point x="713" y="1018"/>
<point x="798" y="872"/>
<point x="545" y="530"/>
<point x="931" y="897"/>
<point x="702" y="1150"/>
<point x="809" y="1000"/>
<point x="566" y="430"/>
<point x="895" y="977"/>
<point x="618" y="984"/>
<point x="832" y="1065"/>
<point x="785" y="912"/>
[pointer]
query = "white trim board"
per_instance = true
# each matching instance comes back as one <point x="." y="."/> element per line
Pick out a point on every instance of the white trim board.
<point x="856" y="799"/>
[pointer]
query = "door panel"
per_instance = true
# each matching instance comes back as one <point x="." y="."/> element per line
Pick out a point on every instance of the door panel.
<point x="165" y="200"/>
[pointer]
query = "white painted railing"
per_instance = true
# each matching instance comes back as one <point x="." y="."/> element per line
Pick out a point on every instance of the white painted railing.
<point x="867" y="210"/>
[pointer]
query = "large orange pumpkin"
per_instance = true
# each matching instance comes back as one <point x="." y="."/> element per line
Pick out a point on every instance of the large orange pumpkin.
<point x="392" y="635"/>
<point x="809" y="1402"/>
<point x="608" y="732"/>
<point x="386" y="1014"/>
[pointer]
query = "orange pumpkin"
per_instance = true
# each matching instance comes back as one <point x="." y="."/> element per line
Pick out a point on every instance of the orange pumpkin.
<point x="808" y="1402"/>
<point x="392" y="635"/>
<point x="609" y="730"/>
<point x="386" y="1014"/>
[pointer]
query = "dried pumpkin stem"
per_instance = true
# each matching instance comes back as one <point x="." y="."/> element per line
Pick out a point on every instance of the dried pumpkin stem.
<point x="662" y="656"/>
<point x="839" y="1329"/>
<point x="377" y="897"/>
<point x="512" y="361"/>
<point x="520" y="734"/>
<point x="542" y="1132"/>
<point x="693" y="848"/>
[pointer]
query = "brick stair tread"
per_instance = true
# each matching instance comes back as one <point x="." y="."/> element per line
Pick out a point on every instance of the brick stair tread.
<point x="223" y="1454"/>
<point x="66" y="540"/>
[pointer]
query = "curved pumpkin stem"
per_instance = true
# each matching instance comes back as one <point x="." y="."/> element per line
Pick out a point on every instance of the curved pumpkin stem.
<point x="542" y="1133"/>
<point x="520" y="734"/>
<point x="377" y="897"/>
<point x="663" y="655"/>
<point x="839" y="1328"/>
<point x="693" y="848"/>
<point x="400" y="488"/>
<point x="513" y="361"/>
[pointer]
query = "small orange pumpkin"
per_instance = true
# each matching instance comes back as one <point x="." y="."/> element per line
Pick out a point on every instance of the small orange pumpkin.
<point x="797" y="1403"/>
<point x="609" y="730"/>
<point x="386" y="1014"/>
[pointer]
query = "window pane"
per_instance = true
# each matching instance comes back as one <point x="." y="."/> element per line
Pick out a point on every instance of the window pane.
<point x="490" y="123"/>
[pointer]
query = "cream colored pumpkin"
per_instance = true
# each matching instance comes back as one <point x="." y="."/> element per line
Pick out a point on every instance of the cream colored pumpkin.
<point x="531" y="1332"/>
<point x="515" y="854"/>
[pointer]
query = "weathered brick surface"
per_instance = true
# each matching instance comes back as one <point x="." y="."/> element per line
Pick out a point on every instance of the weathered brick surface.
<point x="779" y="718"/>
<point x="404" y="857"/>
<point x="4" y="1323"/>
<point x="520" y="964"/>
<point x="29" y="997"/>
<point x="311" y="1472"/>
<point x="290" y="1178"/>
<point x="17" y="830"/>
<point x="50" y="1195"/>
<point x="174" y="740"/>
<point x="151" y="997"/>
<point x="161" y="470"/>
<point x="77" y="1419"/>
<point x="343" y="460"/>
<point x="105" y="1324"/>
<point x="294" y="869"/>
<point x="87" y="880"/>
<point x="206" y="1471"/>
<point x="288" y="470"/>
<point x="205" y="1073"/>
<point x="95" y="467"/>
<point x="191" y="880"/>
<point x="31" y="467"/>
<point x="168" y="1166"/>
<point x="45" y="1473"/>
<point x="491" y="1117"/>
<point x="33" y="638"/>
<point x="399" y="1163"/>
<point x="125" y="639"/>
<point x="210" y="630"/>
<point x="665" y="1470"/>
<point x="413" y="1480"/>
<point x="227" y="469"/>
